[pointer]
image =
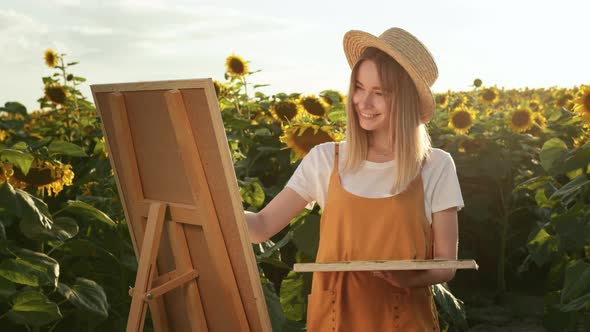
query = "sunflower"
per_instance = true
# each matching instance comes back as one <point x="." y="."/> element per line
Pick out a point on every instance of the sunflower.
<point x="87" y="188"/>
<point x="3" y="135"/>
<point x="477" y="83"/>
<point x="45" y="176"/>
<point x="458" y="101"/>
<point x="56" y="93"/>
<point x="302" y="137"/>
<point x="582" y="103"/>
<point x="520" y="119"/>
<point x="539" y="119"/>
<point x="462" y="119"/>
<point x="579" y="141"/>
<point x="489" y="96"/>
<point x="285" y="110"/>
<point x="442" y="100"/>
<point x="236" y="66"/>
<point x="332" y="97"/>
<point x="217" y="87"/>
<point x="314" y="105"/>
<point x="564" y="101"/>
<point x="51" y="58"/>
<point x="6" y="171"/>
<point x="535" y="105"/>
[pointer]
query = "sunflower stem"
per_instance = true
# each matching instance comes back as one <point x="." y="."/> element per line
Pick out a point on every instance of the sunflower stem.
<point x="54" y="248"/>
<point x="245" y="86"/>
<point x="63" y="70"/>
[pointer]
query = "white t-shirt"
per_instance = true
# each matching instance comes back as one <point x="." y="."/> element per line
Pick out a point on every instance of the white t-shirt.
<point x="374" y="180"/>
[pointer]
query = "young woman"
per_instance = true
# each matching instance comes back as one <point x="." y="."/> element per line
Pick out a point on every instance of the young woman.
<point x="385" y="194"/>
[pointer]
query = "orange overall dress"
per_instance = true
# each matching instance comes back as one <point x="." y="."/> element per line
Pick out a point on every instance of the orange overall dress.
<point x="360" y="228"/>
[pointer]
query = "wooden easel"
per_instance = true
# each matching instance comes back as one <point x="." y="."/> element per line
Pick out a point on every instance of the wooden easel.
<point x="147" y="289"/>
<point x="202" y="276"/>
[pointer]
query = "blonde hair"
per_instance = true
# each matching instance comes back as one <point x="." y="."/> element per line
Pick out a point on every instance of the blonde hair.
<point x="408" y="135"/>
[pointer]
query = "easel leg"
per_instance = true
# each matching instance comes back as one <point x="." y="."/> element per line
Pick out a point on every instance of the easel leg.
<point x="196" y="314"/>
<point x="147" y="261"/>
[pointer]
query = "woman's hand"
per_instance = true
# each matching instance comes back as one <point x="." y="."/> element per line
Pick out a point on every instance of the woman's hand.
<point x="400" y="279"/>
<point x="415" y="278"/>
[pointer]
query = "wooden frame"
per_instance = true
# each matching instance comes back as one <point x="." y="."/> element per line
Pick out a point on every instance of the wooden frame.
<point x="170" y="156"/>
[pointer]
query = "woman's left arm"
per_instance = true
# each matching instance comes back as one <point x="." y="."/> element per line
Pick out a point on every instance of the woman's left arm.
<point x="445" y="232"/>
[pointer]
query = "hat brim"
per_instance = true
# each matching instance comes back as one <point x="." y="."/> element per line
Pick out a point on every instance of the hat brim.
<point x="355" y="42"/>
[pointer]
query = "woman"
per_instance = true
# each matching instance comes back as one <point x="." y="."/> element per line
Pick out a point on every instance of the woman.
<point x="385" y="194"/>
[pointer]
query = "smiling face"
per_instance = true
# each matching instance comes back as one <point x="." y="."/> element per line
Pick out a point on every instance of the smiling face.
<point x="370" y="103"/>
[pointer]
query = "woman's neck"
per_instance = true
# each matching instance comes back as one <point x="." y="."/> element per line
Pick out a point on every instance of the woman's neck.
<point x="379" y="144"/>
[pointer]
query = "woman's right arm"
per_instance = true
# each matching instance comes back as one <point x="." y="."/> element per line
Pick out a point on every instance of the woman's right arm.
<point x="275" y="215"/>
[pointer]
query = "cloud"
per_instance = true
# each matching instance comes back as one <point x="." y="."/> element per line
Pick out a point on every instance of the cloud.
<point x="121" y="28"/>
<point x="20" y="37"/>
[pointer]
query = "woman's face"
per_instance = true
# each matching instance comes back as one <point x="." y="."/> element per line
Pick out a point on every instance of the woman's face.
<point x="369" y="99"/>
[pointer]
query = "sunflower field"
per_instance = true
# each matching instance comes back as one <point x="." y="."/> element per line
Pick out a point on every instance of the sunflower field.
<point x="522" y="157"/>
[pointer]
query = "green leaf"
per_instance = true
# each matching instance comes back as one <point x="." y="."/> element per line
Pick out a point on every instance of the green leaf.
<point x="294" y="290"/>
<point x="33" y="308"/>
<point x="450" y="307"/>
<point x="277" y="318"/>
<point x="19" y="273"/>
<point x="556" y="320"/>
<point x="22" y="160"/>
<point x="252" y="193"/>
<point x="66" y="148"/>
<point x="262" y="132"/>
<point x="86" y="295"/>
<point x="571" y="187"/>
<point x="82" y="209"/>
<point x="533" y="183"/>
<point x="33" y="212"/>
<point x="552" y="153"/>
<point x="578" y="158"/>
<point x="274" y="262"/>
<point x="36" y="219"/>
<point x="64" y="228"/>
<point x="337" y="116"/>
<point x="543" y="247"/>
<point x="129" y="261"/>
<point x="307" y="235"/>
<point x="542" y="199"/>
<point x="7" y="289"/>
<point x="275" y="246"/>
<point x="14" y="108"/>
<point x="575" y="294"/>
<point x="80" y="247"/>
<point x="573" y="230"/>
<point x="268" y="148"/>
<point x="47" y="268"/>
<point x="20" y="146"/>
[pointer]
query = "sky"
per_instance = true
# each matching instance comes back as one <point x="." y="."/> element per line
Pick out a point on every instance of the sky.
<point x="297" y="45"/>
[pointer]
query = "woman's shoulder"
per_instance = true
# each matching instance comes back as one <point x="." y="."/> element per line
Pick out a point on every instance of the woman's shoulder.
<point x="438" y="158"/>
<point x="321" y="154"/>
<point x="326" y="149"/>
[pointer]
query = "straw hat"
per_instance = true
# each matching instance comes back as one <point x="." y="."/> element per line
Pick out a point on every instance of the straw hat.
<point x="408" y="51"/>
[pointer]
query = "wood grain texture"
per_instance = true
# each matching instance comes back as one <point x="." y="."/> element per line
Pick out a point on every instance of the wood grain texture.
<point x="385" y="265"/>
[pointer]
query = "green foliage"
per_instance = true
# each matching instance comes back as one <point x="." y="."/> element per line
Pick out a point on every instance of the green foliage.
<point x="67" y="261"/>
<point x="563" y="234"/>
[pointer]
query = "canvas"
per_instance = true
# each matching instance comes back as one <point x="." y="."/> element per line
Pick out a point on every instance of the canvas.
<point x="171" y="160"/>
